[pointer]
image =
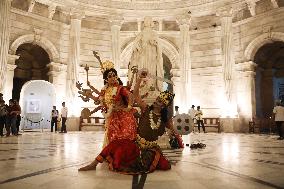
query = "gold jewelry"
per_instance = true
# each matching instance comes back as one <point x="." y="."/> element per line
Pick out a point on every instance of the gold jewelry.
<point x="153" y="124"/>
<point x="143" y="143"/>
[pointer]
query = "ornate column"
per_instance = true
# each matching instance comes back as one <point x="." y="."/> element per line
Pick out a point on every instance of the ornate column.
<point x="57" y="76"/>
<point x="184" y="22"/>
<point x="9" y="77"/>
<point x="115" y="42"/>
<point x="246" y="94"/>
<point x="5" y="6"/>
<point x="73" y="61"/>
<point x="228" y="57"/>
<point x="177" y="87"/>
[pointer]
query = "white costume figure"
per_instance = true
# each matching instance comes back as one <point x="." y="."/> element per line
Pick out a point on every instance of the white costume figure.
<point x="147" y="54"/>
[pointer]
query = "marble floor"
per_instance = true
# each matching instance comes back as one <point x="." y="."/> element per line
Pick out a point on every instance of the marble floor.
<point x="50" y="160"/>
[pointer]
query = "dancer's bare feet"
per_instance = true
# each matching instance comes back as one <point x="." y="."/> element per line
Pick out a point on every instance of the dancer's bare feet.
<point x="89" y="167"/>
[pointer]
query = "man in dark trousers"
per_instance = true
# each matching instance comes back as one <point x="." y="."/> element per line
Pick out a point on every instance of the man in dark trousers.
<point x="54" y="118"/>
<point x="199" y="119"/>
<point x="64" y="113"/>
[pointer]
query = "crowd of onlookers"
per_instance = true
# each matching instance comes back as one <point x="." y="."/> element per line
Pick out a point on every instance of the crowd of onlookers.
<point x="10" y="117"/>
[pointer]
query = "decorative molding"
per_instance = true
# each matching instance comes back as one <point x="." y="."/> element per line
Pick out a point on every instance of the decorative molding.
<point x="51" y="11"/>
<point x="251" y="6"/>
<point x="37" y="34"/>
<point x="261" y="40"/>
<point x="31" y="5"/>
<point x="41" y="41"/>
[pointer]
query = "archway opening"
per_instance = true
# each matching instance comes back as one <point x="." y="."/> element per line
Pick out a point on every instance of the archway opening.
<point x="269" y="77"/>
<point x="31" y="65"/>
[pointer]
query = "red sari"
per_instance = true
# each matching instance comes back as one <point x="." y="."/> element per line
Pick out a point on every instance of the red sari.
<point x="126" y="157"/>
<point x="120" y="124"/>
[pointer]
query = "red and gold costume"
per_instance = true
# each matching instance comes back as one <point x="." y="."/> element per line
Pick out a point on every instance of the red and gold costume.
<point x="120" y="122"/>
<point x="142" y="155"/>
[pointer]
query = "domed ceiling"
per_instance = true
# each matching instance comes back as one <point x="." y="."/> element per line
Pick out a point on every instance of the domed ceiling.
<point x="202" y="11"/>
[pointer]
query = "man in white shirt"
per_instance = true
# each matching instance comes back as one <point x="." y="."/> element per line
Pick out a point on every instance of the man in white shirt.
<point x="64" y="113"/>
<point x="176" y="110"/>
<point x="278" y="111"/>
<point x="192" y="112"/>
<point x="199" y="119"/>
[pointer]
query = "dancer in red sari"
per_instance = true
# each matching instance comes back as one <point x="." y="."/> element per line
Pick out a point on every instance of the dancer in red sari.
<point x="142" y="155"/>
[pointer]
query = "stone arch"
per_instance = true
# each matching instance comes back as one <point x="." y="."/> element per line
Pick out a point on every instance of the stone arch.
<point x="258" y="42"/>
<point x="168" y="49"/>
<point x="43" y="42"/>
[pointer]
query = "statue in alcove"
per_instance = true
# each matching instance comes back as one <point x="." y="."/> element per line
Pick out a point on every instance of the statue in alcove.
<point x="147" y="54"/>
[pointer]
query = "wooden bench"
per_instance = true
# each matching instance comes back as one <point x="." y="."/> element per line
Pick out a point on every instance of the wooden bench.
<point x="86" y="120"/>
<point x="92" y="121"/>
<point x="210" y="123"/>
<point x="262" y="125"/>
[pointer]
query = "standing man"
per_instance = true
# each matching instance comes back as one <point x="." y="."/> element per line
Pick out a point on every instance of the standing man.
<point x="64" y="112"/>
<point x="198" y="116"/>
<point x="278" y="111"/>
<point x="54" y="117"/>
<point x="3" y="113"/>
<point x="11" y="119"/>
<point x="176" y="110"/>
<point x="19" y="110"/>
<point x="192" y="112"/>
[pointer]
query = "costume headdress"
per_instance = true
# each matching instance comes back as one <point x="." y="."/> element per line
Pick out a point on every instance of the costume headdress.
<point x="166" y="97"/>
<point x="106" y="65"/>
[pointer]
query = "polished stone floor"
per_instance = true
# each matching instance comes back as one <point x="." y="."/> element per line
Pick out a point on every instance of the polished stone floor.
<point x="50" y="160"/>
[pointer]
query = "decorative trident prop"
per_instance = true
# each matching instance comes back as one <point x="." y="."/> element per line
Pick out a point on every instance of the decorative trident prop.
<point x="87" y="71"/>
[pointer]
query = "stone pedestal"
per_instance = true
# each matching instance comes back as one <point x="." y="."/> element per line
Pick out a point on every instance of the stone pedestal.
<point x="234" y="125"/>
<point x="72" y="124"/>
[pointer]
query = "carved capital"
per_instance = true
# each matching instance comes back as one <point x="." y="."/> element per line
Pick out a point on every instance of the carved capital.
<point x="225" y="12"/>
<point x="246" y="66"/>
<point x="116" y="21"/>
<point x="184" y="19"/>
<point x="176" y="73"/>
<point x="55" y="67"/>
<point x="12" y="59"/>
<point x="76" y="14"/>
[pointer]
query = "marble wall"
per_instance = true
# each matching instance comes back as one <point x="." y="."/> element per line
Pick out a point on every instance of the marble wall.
<point x="206" y="59"/>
